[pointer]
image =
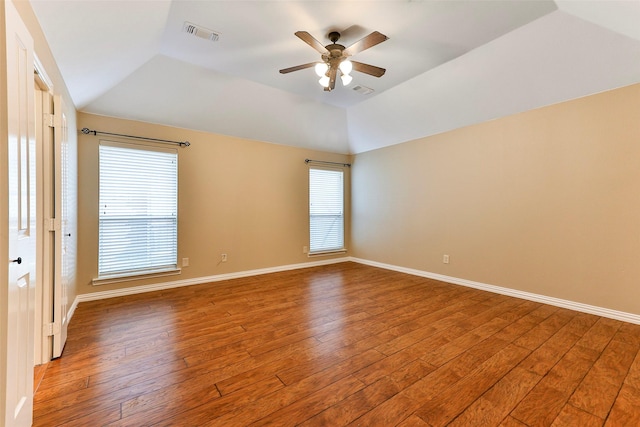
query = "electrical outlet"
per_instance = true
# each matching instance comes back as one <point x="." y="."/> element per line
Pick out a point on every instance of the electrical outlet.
<point x="445" y="259"/>
<point x="305" y="249"/>
<point x="185" y="262"/>
<point x="223" y="257"/>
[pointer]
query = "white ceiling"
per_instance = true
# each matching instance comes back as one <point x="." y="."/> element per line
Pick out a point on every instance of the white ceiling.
<point x="449" y="63"/>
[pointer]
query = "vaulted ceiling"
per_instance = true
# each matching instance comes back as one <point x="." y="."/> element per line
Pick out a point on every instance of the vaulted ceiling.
<point x="449" y="63"/>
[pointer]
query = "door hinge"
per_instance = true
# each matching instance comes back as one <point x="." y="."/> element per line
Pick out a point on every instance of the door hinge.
<point x="51" y="224"/>
<point x="49" y="329"/>
<point x="47" y="119"/>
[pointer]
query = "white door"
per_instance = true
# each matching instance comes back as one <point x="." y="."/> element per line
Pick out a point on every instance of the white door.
<point x="21" y="284"/>
<point x="63" y="234"/>
<point x="55" y="207"/>
<point x="46" y="216"/>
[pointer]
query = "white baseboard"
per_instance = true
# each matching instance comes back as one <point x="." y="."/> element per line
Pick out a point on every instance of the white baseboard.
<point x="585" y="308"/>
<point x="72" y="309"/>
<point x="93" y="296"/>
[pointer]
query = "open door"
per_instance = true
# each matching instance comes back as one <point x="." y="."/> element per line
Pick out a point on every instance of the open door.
<point x="56" y="267"/>
<point x="62" y="259"/>
<point x="45" y="209"/>
<point x="17" y="309"/>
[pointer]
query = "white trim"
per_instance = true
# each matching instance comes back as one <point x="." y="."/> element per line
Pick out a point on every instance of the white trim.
<point x="147" y="274"/>
<point x="571" y="305"/>
<point x="72" y="309"/>
<point x="70" y="313"/>
<point x="42" y="74"/>
<point x="200" y="280"/>
<point x="326" y="253"/>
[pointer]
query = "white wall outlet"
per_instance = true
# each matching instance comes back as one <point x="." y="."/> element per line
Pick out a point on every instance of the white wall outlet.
<point x="223" y="257"/>
<point x="445" y="259"/>
<point x="185" y="262"/>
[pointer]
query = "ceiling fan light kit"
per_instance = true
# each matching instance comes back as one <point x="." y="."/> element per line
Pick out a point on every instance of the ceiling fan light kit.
<point x="335" y="57"/>
<point x="322" y="70"/>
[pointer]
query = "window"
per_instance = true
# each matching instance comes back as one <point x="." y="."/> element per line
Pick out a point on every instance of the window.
<point x="326" y="210"/>
<point x="138" y="221"/>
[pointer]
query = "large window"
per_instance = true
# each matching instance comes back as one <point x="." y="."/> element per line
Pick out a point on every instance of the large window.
<point x="326" y="210"/>
<point x="138" y="209"/>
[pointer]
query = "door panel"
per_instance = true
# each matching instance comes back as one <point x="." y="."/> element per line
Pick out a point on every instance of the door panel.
<point x="44" y="292"/>
<point x="63" y="233"/>
<point x="21" y="157"/>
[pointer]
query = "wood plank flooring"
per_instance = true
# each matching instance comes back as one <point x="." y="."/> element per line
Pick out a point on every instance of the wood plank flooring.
<point x="343" y="344"/>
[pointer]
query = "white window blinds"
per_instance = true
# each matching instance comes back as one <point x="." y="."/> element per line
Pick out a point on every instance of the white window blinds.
<point x="138" y="209"/>
<point x="326" y="210"/>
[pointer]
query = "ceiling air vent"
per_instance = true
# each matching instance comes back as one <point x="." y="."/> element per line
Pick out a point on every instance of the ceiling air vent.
<point x="198" y="31"/>
<point x="363" y="90"/>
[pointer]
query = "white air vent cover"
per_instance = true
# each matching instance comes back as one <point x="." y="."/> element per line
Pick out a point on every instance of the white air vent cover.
<point x="198" y="31"/>
<point x="363" y="90"/>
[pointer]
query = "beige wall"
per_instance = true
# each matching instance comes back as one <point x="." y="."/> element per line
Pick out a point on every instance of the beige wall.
<point x="546" y="201"/>
<point x="245" y="198"/>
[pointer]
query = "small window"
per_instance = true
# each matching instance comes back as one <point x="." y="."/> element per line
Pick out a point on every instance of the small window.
<point x="326" y="210"/>
<point x="138" y="220"/>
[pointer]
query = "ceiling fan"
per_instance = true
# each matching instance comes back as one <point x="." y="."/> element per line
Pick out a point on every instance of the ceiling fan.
<point x="335" y="57"/>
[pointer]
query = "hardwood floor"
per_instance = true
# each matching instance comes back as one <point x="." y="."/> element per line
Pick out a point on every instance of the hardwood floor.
<point x="343" y="344"/>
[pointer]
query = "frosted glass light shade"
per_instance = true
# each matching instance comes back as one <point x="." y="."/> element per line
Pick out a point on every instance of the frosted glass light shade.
<point x="346" y="79"/>
<point x="324" y="81"/>
<point x="346" y="66"/>
<point x="321" y="69"/>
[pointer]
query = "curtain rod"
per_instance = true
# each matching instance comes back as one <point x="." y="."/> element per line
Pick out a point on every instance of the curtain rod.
<point x="347" y="165"/>
<point x="96" y="132"/>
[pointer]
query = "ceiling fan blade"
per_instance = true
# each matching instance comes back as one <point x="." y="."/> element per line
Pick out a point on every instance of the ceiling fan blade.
<point x="365" y="43"/>
<point x="372" y="70"/>
<point x="297" y="67"/>
<point x="308" y="39"/>
<point x="333" y="73"/>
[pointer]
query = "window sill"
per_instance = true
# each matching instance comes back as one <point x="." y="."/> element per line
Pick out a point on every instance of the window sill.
<point x="117" y="278"/>
<point x="327" y="253"/>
